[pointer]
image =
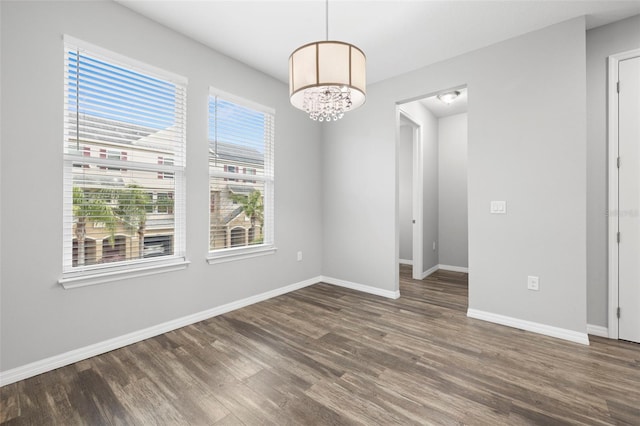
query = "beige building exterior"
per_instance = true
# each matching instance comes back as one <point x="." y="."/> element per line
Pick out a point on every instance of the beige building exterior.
<point x="117" y="145"/>
<point x="229" y="225"/>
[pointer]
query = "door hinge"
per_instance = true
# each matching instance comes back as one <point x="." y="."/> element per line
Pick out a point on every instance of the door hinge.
<point x="618" y="162"/>
<point x="618" y="87"/>
<point x="618" y="237"/>
<point x="618" y="312"/>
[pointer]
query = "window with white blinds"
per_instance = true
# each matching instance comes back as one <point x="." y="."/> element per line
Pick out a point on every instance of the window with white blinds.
<point x="241" y="179"/>
<point x="124" y="162"/>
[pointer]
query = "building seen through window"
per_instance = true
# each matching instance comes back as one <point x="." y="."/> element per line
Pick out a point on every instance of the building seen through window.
<point x="124" y="163"/>
<point x="241" y="183"/>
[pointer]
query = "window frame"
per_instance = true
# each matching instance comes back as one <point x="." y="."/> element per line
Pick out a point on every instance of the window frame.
<point x="268" y="177"/>
<point x="167" y="161"/>
<point x="73" y="277"/>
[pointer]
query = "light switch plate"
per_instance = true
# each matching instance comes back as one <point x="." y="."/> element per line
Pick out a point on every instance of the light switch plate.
<point x="498" y="207"/>
<point x="533" y="283"/>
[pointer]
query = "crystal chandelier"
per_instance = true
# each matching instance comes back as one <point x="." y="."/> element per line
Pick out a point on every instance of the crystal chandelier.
<point x="327" y="78"/>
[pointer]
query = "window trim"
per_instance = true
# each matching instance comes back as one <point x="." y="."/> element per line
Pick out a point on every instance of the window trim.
<point x="140" y="268"/>
<point x="101" y="273"/>
<point x="246" y="252"/>
<point x="239" y="253"/>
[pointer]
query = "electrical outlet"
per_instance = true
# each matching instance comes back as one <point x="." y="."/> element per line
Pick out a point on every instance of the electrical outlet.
<point x="498" y="207"/>
<point x="533" y="283"/>
<point x="299" y="256"/>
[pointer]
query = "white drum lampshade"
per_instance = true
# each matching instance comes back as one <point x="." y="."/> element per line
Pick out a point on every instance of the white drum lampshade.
<point x="327" y="79"/>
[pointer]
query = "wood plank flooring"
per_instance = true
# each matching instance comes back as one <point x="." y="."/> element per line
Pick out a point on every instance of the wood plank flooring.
<point x="330" y="356"/>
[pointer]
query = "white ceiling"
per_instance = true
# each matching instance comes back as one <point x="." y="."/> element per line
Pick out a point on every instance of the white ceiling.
<point x="397" y="36"/>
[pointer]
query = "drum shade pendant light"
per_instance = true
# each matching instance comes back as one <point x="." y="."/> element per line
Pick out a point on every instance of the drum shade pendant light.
<point x="327" y="78"/>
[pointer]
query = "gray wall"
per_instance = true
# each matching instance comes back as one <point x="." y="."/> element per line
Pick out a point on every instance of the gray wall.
<point x="520" y="136"/>
<point x="38" y="318"/>
<point x="601" y="43"/>
<point x="344" y="222"/>
<point x="405" y="192"/>
<point x="453" y="228"/>
<point x="430" y="199"/>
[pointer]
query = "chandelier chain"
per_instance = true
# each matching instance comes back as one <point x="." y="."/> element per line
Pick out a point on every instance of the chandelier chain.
<point x="326" y="20"/>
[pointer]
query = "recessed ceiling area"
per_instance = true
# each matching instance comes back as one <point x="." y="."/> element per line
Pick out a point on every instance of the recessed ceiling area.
<point x="396" y="36"/>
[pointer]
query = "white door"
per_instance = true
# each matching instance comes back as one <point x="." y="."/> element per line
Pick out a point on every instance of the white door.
<point x="629" y="199"/>
<point x="410" y="192"/>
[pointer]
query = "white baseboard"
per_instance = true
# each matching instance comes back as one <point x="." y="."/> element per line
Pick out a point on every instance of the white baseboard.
<point x="534" y="327"/>
<point x="597" y="330"/>
<point x="430" y="271"/>
<point x="454" y="268"/>
<point x="362" y="287"/>
<point x="57" y="361"/>
<point x="405" y="261"/>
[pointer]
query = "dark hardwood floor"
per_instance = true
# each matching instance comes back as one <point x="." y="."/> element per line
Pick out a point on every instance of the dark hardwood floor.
<point x="328" y="355"/>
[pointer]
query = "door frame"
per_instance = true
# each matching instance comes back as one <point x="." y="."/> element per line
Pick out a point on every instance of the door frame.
<point x="612" y="212"/>
<point x="416" y="198"/>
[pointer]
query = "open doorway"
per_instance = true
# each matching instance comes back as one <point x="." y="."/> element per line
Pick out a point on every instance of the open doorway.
<point x="436" y="230"/>
<point x="410" y="193"/>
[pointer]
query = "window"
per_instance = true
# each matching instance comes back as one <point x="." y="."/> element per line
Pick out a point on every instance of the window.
<point x="112" y="154"/>
<point x="164" y="202"/>
<point x="86" y="151"/>
<point x="167" y="162"/>
<point x="231" y="169"/>
<point x="241" y="141"/>
<point x="121" y="117"/>
<point x="249" y="171"/>
<point x="158" y="203"/>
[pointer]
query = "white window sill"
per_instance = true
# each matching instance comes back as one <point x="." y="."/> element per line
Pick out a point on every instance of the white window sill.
<point x="231" y="255"/>
<point x="100" y="276"/>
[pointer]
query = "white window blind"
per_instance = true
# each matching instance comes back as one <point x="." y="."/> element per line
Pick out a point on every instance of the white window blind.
<point x="241" y="165"/>
<point x="124" y="162"/>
